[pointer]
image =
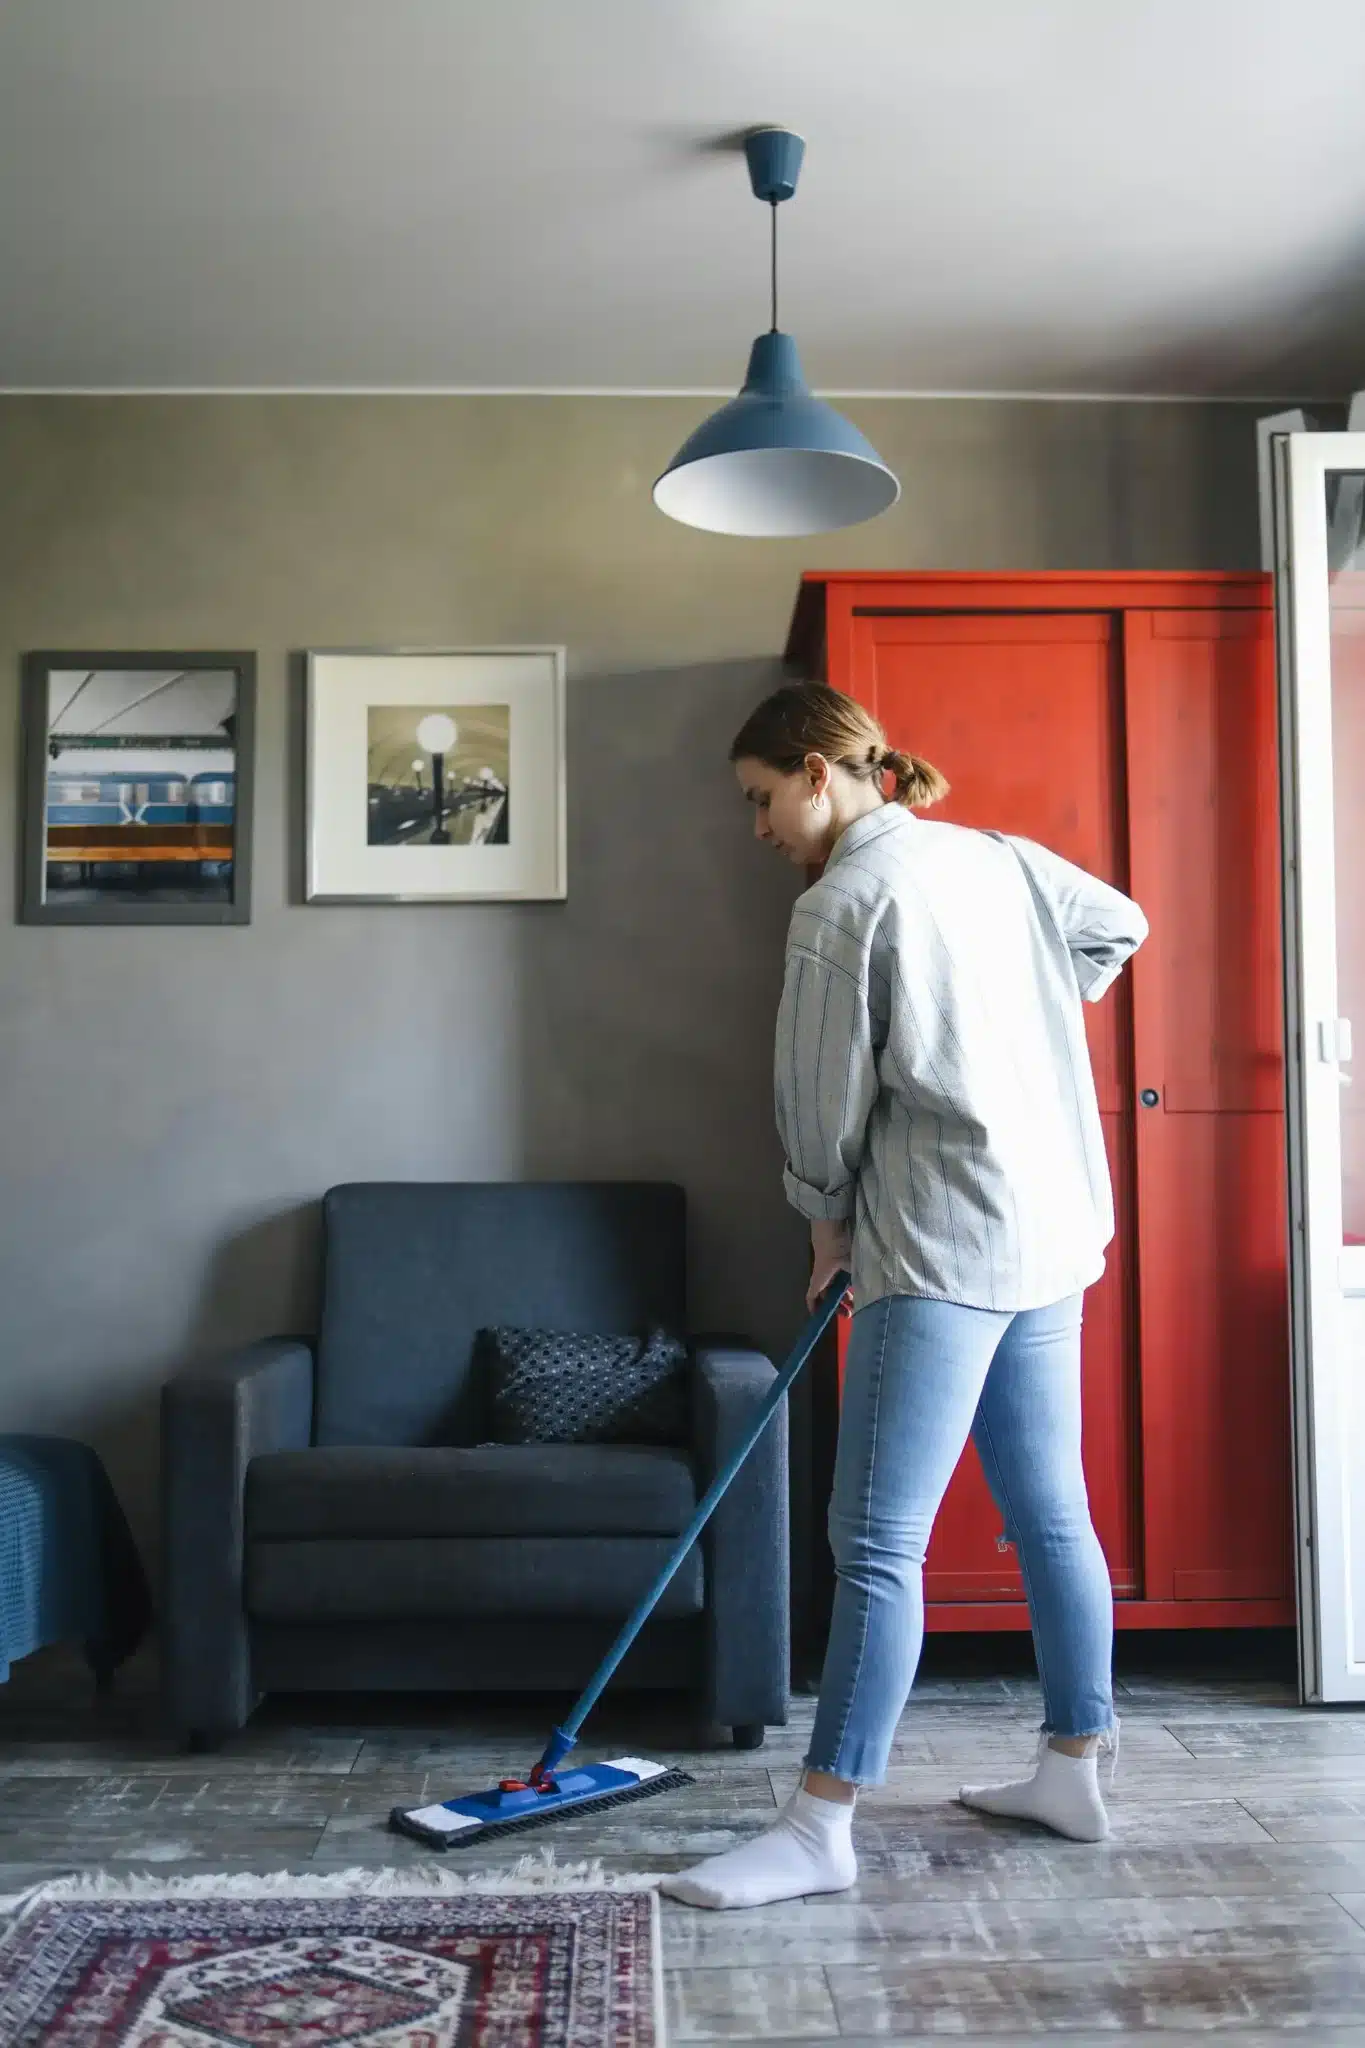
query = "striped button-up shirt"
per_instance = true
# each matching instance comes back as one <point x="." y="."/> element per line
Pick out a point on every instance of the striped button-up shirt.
<point x="933" y="1079"/>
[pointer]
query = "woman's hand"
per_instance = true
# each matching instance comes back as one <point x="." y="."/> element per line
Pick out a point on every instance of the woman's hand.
<point x="831" y="1247"/>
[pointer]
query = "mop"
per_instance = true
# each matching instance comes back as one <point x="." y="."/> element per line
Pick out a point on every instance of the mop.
<point x="546" y="1791"/>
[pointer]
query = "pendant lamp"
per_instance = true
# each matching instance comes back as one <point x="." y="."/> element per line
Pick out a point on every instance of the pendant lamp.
<point x="776" y="460"/>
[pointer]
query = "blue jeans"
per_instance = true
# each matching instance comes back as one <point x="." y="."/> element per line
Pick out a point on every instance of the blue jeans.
<point x="919" y="1376"/>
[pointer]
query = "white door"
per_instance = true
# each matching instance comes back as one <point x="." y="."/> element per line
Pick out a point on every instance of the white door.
<point x="1320" y="622"/>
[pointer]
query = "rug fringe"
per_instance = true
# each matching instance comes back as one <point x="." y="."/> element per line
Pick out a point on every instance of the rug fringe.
<point x="532" y="1873"/>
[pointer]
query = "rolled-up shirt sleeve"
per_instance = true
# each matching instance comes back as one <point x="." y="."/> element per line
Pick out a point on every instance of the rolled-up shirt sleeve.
<point x="1102" y="927"/>
<point x="826" y="1084"/>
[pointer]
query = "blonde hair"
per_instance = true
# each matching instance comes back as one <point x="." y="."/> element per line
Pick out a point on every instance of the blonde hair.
<point x="811" y="718"/>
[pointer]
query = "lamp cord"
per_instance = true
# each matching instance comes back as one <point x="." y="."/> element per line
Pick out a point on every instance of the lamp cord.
<point x="772" y="203"/>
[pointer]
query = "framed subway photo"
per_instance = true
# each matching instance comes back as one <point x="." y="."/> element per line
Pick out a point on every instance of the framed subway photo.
<point x="436" y="775"/>
<point x="137" y="788"/>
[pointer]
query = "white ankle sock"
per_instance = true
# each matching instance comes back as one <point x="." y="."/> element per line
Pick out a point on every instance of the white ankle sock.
<point x="1063" y="1794"/>
<point x="809" y="1848"/>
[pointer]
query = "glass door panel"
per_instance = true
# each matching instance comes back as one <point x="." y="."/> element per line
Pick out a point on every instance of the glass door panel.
<point x="1320" y="621"/>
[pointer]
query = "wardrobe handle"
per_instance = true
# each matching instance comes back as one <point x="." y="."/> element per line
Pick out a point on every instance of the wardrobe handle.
<point x="1149" y="1098"/>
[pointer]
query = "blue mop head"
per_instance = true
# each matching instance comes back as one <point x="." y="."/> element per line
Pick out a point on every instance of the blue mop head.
<point x="516" y="1804"/>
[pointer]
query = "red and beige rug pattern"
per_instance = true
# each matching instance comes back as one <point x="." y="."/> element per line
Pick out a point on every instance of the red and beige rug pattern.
<point x="542" y="1961"/>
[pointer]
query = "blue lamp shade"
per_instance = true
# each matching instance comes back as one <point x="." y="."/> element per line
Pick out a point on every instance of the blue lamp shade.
<point x="776" y="460"/>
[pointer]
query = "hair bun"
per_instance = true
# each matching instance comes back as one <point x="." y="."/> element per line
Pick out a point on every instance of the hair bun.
<point x="918" y="783"/>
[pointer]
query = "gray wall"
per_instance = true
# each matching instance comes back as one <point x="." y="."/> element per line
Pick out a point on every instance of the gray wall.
<point x="172" y="1102"/>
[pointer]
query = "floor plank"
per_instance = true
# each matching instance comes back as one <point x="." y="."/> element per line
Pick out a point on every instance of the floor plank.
<point x="1033" y="1867"/>
<point x="1016" y="2000"/>
<point x="64" y="1758"/>
<point x="1181" y="1928"/>
<point x="741" y="2003"/>
<point x="1148" y="2037"/>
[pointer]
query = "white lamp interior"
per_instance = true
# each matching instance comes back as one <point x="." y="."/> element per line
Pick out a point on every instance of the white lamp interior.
<point x="776" y="492"/>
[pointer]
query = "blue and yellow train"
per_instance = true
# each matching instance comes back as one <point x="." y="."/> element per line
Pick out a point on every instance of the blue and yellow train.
<point x="141" y="799"/>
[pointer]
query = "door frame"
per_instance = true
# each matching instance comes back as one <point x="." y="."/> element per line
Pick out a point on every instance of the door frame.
<point x="1322" y="1270"/>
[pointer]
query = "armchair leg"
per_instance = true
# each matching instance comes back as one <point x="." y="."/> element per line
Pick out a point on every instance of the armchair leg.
<point x="748" y="1735"/>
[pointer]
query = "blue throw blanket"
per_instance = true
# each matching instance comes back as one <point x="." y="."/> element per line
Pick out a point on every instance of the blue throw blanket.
<point x="69" y="1570"/>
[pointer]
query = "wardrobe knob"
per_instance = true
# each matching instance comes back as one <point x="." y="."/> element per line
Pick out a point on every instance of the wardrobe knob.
<point x="1149" y="1098"/>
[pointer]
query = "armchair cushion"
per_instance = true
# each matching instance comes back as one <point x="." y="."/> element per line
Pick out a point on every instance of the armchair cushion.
<point x="490" y="1490"/>
<point x="465" y="1578"/>
<point x="557" y="1387"/>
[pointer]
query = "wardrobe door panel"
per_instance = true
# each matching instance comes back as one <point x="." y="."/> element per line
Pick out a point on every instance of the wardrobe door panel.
<point x="1209" y="1060"/>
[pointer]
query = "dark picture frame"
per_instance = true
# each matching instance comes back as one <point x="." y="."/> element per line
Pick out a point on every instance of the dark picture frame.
<point x="141" y="890"/>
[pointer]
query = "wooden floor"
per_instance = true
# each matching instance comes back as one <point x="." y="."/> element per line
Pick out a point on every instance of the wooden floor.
<point x="1230" y="1898"/>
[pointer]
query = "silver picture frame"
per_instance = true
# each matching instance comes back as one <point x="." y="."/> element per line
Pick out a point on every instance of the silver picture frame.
<point x="383" y="829"/>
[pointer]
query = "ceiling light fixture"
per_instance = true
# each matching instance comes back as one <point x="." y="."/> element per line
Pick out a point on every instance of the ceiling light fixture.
<point x="776" y="460"/>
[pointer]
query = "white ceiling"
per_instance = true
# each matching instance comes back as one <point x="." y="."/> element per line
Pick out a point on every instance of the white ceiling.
<point x="1082" y="196"/>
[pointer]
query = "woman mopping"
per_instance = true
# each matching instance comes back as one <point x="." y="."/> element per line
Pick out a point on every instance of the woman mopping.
<point x="936" y="1103"/>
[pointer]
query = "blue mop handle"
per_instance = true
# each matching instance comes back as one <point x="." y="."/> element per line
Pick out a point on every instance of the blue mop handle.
<point x="563" y="1739"/>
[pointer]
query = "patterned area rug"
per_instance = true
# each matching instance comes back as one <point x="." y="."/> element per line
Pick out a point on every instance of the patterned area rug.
<point x="543" y="1959"/>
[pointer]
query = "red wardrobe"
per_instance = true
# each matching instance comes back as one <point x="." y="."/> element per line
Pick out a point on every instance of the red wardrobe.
<point x="1129" y="723"/>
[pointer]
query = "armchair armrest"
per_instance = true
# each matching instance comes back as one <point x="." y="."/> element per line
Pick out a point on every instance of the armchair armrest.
<point x="746" y="1542"/>
<point x="214" y="1421"/>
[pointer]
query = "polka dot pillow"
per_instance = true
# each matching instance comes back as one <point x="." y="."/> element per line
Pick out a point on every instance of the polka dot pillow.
<point x="555" y="1387"/>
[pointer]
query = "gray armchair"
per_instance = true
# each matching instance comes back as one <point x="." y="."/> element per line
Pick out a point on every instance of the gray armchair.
<point x="332" y="1521"/>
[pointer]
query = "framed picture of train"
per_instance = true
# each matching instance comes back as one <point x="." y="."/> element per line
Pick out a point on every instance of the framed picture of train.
<point x="436" y="775"/>
<point x="137" y="788"/>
